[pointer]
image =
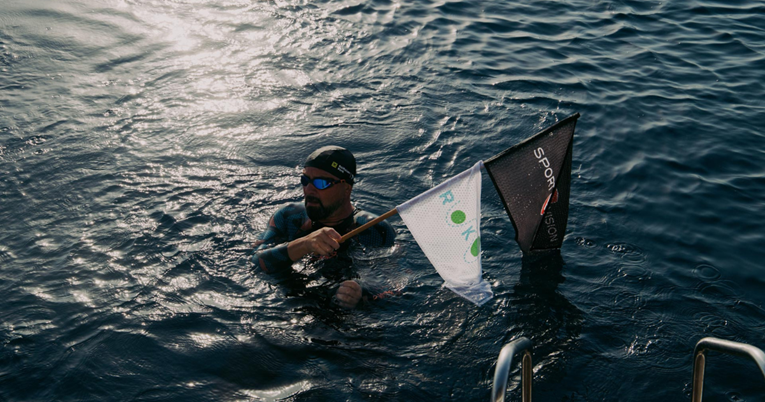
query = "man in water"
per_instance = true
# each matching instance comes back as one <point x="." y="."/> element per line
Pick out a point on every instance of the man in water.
<point x="313" y="228"/>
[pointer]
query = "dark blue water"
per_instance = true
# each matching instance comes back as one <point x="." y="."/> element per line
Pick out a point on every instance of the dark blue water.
<point x="145" y="143"/>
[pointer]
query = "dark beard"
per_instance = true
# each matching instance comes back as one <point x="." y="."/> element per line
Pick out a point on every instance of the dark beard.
<point x="317" y="213"/>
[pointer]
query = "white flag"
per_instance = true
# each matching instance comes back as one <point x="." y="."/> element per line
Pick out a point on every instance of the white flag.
<point x="445" y="222"/>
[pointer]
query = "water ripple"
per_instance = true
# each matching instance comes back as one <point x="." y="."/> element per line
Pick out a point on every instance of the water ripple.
<point x="143" y="143"/>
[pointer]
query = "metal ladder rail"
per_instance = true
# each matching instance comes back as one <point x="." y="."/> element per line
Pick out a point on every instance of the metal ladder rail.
<point x="719" y="345"/>
<point x="504" y="364"/>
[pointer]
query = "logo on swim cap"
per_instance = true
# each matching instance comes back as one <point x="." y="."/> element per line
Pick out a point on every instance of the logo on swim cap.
<point x="344" y="170"/>
<point x="334" y="165"/>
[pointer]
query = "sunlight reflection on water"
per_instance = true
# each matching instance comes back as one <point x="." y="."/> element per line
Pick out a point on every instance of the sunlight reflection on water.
<point x="145" y="142"/>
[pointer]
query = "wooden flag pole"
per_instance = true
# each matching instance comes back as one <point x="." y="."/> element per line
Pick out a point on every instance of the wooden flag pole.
<point x="368" y="225"/>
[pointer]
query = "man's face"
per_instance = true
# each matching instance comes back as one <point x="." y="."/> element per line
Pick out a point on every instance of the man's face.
<point x="321" y="204"/>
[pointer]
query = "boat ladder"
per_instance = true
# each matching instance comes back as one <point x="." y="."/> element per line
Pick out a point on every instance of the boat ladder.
<point x="523" y="346"/>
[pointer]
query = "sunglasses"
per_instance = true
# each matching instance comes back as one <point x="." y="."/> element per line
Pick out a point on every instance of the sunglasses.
<point x="319" y="182"/>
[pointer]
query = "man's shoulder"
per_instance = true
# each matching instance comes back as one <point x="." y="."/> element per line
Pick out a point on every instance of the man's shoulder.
<point x="289" y="213"/>
<point x="381" y="234"/>
<point x="363" y="216"/>
<point x="291" y="208"/>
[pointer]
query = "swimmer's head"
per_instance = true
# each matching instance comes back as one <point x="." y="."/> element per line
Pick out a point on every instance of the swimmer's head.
<point x="333" y="159"/>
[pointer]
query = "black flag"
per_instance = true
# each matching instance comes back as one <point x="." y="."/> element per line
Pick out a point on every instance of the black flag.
<point x="533" y="180"/>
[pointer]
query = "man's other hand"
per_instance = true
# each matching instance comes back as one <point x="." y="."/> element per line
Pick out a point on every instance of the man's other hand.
<point x="348" y="294"/>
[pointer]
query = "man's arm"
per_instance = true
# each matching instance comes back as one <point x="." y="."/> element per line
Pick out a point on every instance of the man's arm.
<point x="283" y="243"/>
<point x="271" y="247"/>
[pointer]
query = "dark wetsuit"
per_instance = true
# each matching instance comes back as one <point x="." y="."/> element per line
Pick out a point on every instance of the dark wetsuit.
<point x="292" y="222"/>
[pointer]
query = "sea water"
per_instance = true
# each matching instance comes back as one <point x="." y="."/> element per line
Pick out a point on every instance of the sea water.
<point x="145" y="143"/>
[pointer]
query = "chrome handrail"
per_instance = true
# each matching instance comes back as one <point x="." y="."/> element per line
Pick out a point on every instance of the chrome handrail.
<point x="504" y="364"/>
<point x="720" y="345"/>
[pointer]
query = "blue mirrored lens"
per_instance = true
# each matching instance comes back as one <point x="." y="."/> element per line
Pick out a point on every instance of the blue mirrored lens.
<point x="320" y="184"/>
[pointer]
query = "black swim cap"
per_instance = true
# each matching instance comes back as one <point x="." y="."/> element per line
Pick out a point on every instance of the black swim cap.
<point x="333" y="159"/>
